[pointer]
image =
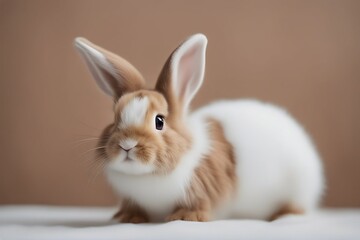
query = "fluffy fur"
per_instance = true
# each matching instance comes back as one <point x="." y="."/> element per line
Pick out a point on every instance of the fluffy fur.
<point x="230" y="159"/>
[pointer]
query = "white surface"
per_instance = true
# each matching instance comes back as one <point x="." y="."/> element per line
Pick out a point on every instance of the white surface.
<point x="45" y="222"/>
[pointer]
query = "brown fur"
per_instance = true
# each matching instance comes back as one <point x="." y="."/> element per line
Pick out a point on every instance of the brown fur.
<point x="130" y="212"/>
<point x="162" y="148"/>
<point x="213" y="182"/>
<point x="165" y="148"/>
<point x="165" y="86"/>
<point x="286" y="209"/>
<point x="126" y="79"/>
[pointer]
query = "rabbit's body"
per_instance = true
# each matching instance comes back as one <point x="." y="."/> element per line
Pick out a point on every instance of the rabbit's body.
<point x="276" y="163"/>
<point x="270" y="171"/>
<point x="230" y="159"/>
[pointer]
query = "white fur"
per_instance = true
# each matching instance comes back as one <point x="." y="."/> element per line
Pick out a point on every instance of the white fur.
<point x="188" y="68"/>
<point x="276" y="160"/>
<point x="132" y="166"/>
<point x="127" y="162"/>
<point x="159" y="194"/>
<point x="276" y="163"/>
<point x="134" y="112"/>
<point x="128" y="143"/>
<point x="97" y="63"/>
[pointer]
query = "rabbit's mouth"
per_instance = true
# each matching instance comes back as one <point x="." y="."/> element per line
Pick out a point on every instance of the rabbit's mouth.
<point x="128" y="159"/>
<point x="130" y="166"/>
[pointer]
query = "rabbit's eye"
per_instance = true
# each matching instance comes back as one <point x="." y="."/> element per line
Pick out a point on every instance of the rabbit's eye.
<point x="159" y="122"/>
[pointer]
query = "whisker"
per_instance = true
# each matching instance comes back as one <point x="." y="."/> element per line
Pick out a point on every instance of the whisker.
<point x="87" y="139"/>
<point x="80" y="142"/>
<point x="81" y="135"/>
<point x="100" y="158"/>
<point x="97" y="158"/>
<point x="83" y="157"/>
<point x="97" y="166"/>
<point x="92" y="149"/>
<point x="98" y="170"/>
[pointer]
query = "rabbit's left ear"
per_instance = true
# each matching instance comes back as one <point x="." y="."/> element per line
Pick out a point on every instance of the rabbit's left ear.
<point x="113" y="74"/>
<point x="183" y="73"/>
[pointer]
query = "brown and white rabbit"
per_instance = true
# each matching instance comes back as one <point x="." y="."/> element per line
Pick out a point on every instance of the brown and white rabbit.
<point x="230" y="159"/>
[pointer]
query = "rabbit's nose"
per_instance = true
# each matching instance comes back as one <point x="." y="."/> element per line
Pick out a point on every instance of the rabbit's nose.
<point x="126" y="150"/>
<point x="128" y="144"/>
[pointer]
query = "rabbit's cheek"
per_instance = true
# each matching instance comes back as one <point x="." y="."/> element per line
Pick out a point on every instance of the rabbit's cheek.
<point x="145" y="154"/>
<point x="113" y="150"/>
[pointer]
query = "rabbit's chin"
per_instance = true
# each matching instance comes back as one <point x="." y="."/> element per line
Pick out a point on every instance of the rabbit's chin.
<point x="130" y="166"/>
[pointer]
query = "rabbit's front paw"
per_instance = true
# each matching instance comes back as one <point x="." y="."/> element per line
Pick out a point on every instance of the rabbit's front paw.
<point x="130" y="217"/>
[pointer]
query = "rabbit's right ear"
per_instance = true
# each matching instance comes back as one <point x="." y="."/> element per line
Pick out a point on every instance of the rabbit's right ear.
<point x="183" y="74"/>
<point x="113" y="74"/>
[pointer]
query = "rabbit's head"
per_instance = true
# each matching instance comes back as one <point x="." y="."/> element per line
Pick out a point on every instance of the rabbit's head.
<point x="149" y="133"/>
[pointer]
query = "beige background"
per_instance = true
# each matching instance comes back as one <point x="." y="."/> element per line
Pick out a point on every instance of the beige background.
<point x="303" y="55"/>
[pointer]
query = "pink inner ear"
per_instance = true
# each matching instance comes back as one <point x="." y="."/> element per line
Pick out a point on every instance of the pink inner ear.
<point x="189" y="72"/>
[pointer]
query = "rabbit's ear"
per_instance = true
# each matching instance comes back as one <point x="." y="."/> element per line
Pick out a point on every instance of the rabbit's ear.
<point x="183" y="73"/>
<point x="113" y="74"/>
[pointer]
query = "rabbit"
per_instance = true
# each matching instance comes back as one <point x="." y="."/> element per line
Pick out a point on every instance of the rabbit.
<point x="230" y="159"/>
